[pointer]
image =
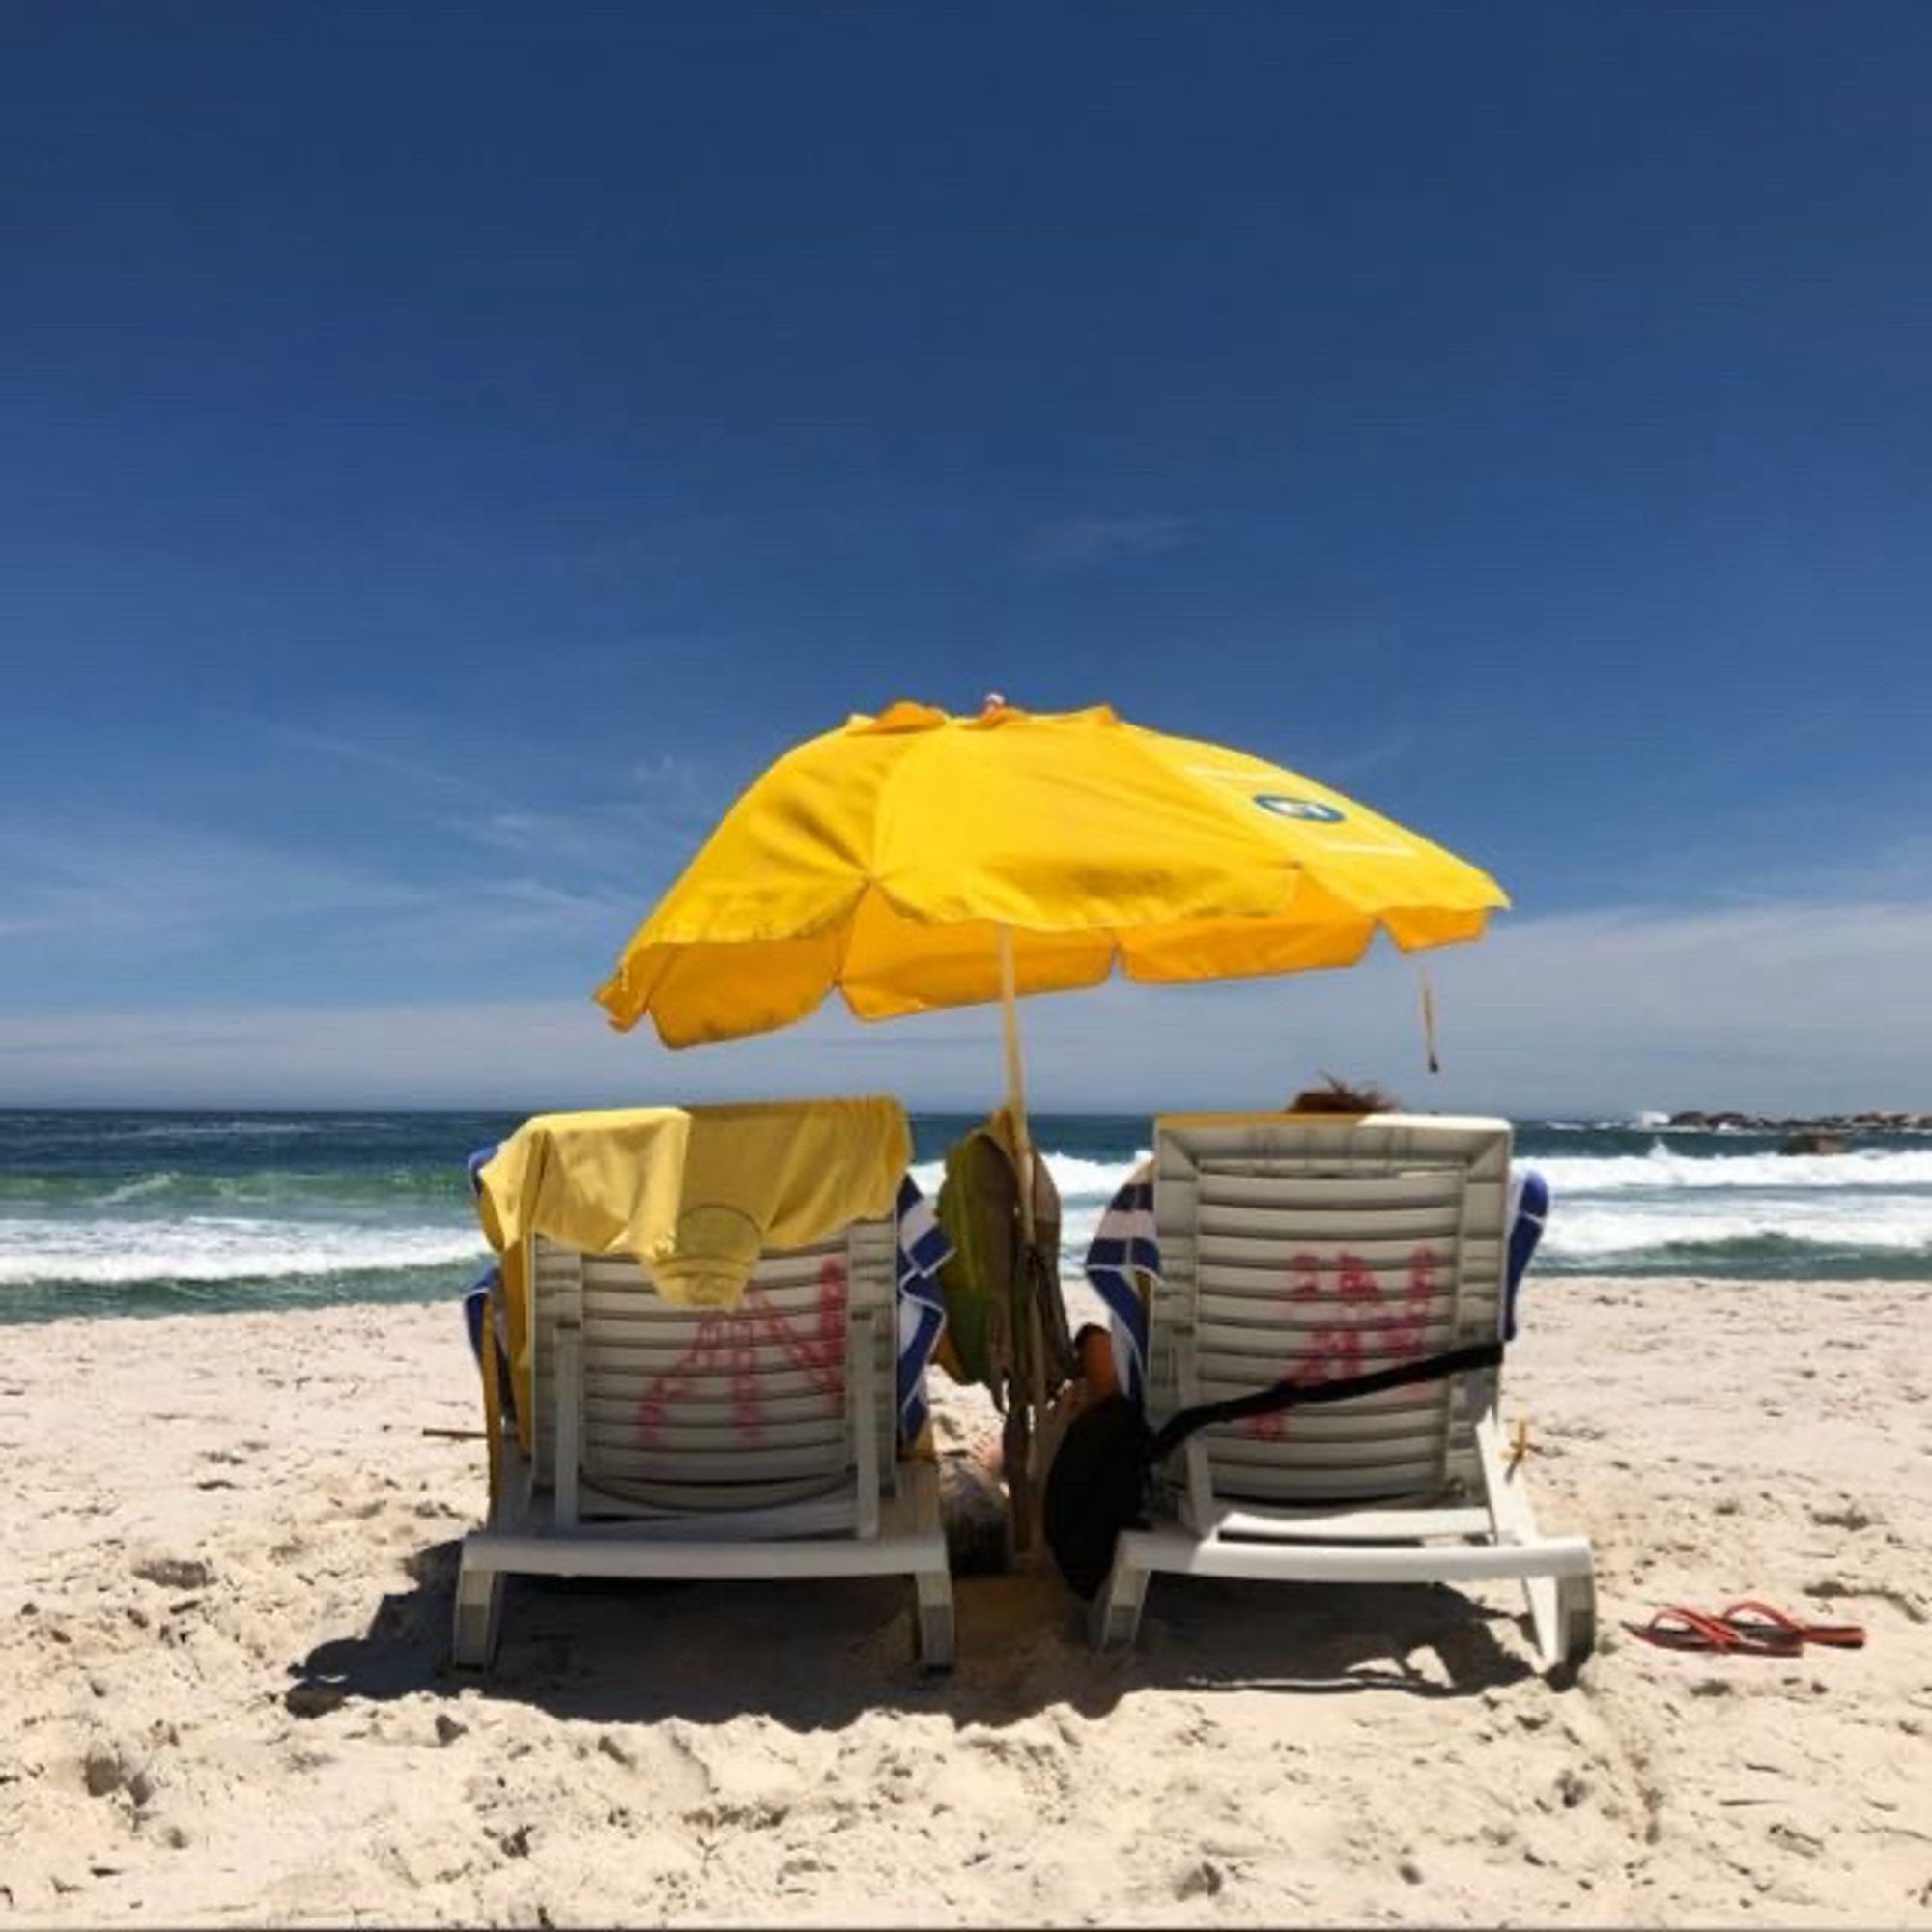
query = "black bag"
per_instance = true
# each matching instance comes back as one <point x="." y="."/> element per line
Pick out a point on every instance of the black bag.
<point x="1097" y="1484"/>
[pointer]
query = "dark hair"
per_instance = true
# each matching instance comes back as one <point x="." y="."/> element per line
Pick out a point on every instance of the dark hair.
<point x="1337" y="1096"/>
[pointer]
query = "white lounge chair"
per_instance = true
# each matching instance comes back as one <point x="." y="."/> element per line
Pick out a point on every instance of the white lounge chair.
<point x="1281" y="1236"/>
<point x="672" y="1441"/>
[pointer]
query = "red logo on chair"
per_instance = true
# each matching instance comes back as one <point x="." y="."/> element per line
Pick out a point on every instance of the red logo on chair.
<point x="725" y="1348"/>
<point x="1335" y="1348"/>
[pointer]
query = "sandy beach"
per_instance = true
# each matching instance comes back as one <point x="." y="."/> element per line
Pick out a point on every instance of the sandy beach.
<point x="223" y="1684"/>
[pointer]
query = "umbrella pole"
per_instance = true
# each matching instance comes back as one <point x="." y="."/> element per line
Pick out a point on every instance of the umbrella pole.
<point x="1025" y="1421"/>
<point x="1015" y="1081"/>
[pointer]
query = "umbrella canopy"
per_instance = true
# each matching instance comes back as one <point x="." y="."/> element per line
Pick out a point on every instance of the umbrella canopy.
<point x="915" y="859"/>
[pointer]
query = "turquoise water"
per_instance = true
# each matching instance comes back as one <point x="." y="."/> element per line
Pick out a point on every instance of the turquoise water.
<point x="110" y="1214"/>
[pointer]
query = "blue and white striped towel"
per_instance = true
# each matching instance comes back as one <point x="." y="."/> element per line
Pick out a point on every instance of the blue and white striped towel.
<point x="922" y="1251"/>
<point x="487" y="1287"/>
<point x="1126" y="1243"/>
<point x="477" y="1298"/>
<point x="1528" y="1209"/>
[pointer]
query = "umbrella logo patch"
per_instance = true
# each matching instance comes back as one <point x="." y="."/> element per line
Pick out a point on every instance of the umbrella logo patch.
<point x="1284" y="807"/>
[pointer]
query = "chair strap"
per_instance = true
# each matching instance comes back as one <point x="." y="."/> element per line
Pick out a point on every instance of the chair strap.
<point x="1178" y="1427"/>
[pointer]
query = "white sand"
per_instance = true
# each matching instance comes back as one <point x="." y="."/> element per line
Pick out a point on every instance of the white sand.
<point x="223" y="1615"/>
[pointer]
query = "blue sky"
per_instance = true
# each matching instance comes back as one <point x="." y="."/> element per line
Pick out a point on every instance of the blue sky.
<point x="447" y="451"/>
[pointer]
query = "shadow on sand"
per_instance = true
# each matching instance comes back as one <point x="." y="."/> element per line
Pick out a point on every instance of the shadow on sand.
<point x="816" y="1655"/>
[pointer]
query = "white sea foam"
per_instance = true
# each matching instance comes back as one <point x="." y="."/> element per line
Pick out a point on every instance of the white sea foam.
<point x="1900" y="1226"/>
<point x="1078" y="1179"/>
<point x="218" y="1248"/>
<point x="1091" y="1179"/>
<point x="1667" y="1166"/>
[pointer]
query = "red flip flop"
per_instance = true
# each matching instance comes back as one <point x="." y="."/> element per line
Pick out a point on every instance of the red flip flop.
<point x="1754" y="1619"/>
<point x="1676" y="1627"/>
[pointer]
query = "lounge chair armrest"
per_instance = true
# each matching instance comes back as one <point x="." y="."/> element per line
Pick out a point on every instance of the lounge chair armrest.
<point x="1198" y="1503"/>
<point x="862" y="1368"/>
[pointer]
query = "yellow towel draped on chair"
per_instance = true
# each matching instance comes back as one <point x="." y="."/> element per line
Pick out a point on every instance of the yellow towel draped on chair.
<point x="693" y="1195"/>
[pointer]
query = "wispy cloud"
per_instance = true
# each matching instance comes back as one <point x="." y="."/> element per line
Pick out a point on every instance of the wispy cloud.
<point x="94" y="893"/>
<point x="1798" y="1005"/>
<point x="660" y="803"/>
<point x="496" y="1053"/>
<point x="120" y="879"/>
<point x="371" y="756"/>
<point x="1082" y="541"/>
<point x="1795" y="1004"/>
<point x="615" y="844"/>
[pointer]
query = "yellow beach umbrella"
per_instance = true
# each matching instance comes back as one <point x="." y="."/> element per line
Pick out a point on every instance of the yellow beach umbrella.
<point x="915" y="860"/>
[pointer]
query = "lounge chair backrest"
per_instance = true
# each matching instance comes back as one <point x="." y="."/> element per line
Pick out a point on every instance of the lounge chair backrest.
<point x="1325" y="1246"/>
<point x="687" y="1409"/>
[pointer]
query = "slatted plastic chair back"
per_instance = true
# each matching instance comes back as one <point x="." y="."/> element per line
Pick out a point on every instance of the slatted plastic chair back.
<point x="1320" y="1247"/>
<point x="685" y="1408"/>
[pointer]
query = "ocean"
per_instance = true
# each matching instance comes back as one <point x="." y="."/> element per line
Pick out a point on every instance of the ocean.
<point x="143" y="1214"/>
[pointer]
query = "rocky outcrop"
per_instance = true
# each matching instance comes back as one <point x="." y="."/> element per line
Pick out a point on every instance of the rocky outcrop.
<point x="1829" y="1126"/>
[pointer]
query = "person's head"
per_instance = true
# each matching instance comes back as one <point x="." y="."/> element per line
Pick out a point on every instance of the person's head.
<point x="1337" y="1096"/>
<point x="1095" y="1348"/>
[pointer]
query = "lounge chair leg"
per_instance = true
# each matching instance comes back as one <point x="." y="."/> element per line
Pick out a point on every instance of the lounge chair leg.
<point x="1116" y="1613"/>
<point x="1563" y="1613"/>
<point x="1545" y="1623"/>
<point x="1576" y="1622"/>
<point x="1562" y="1609"/>
<point x="933" y="1614"/>
<point x="480" y="1615"/>
<point x="932" y="1604"/>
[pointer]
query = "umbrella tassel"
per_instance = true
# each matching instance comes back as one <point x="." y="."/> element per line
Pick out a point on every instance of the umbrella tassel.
<point x="1428" y="1018"/>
